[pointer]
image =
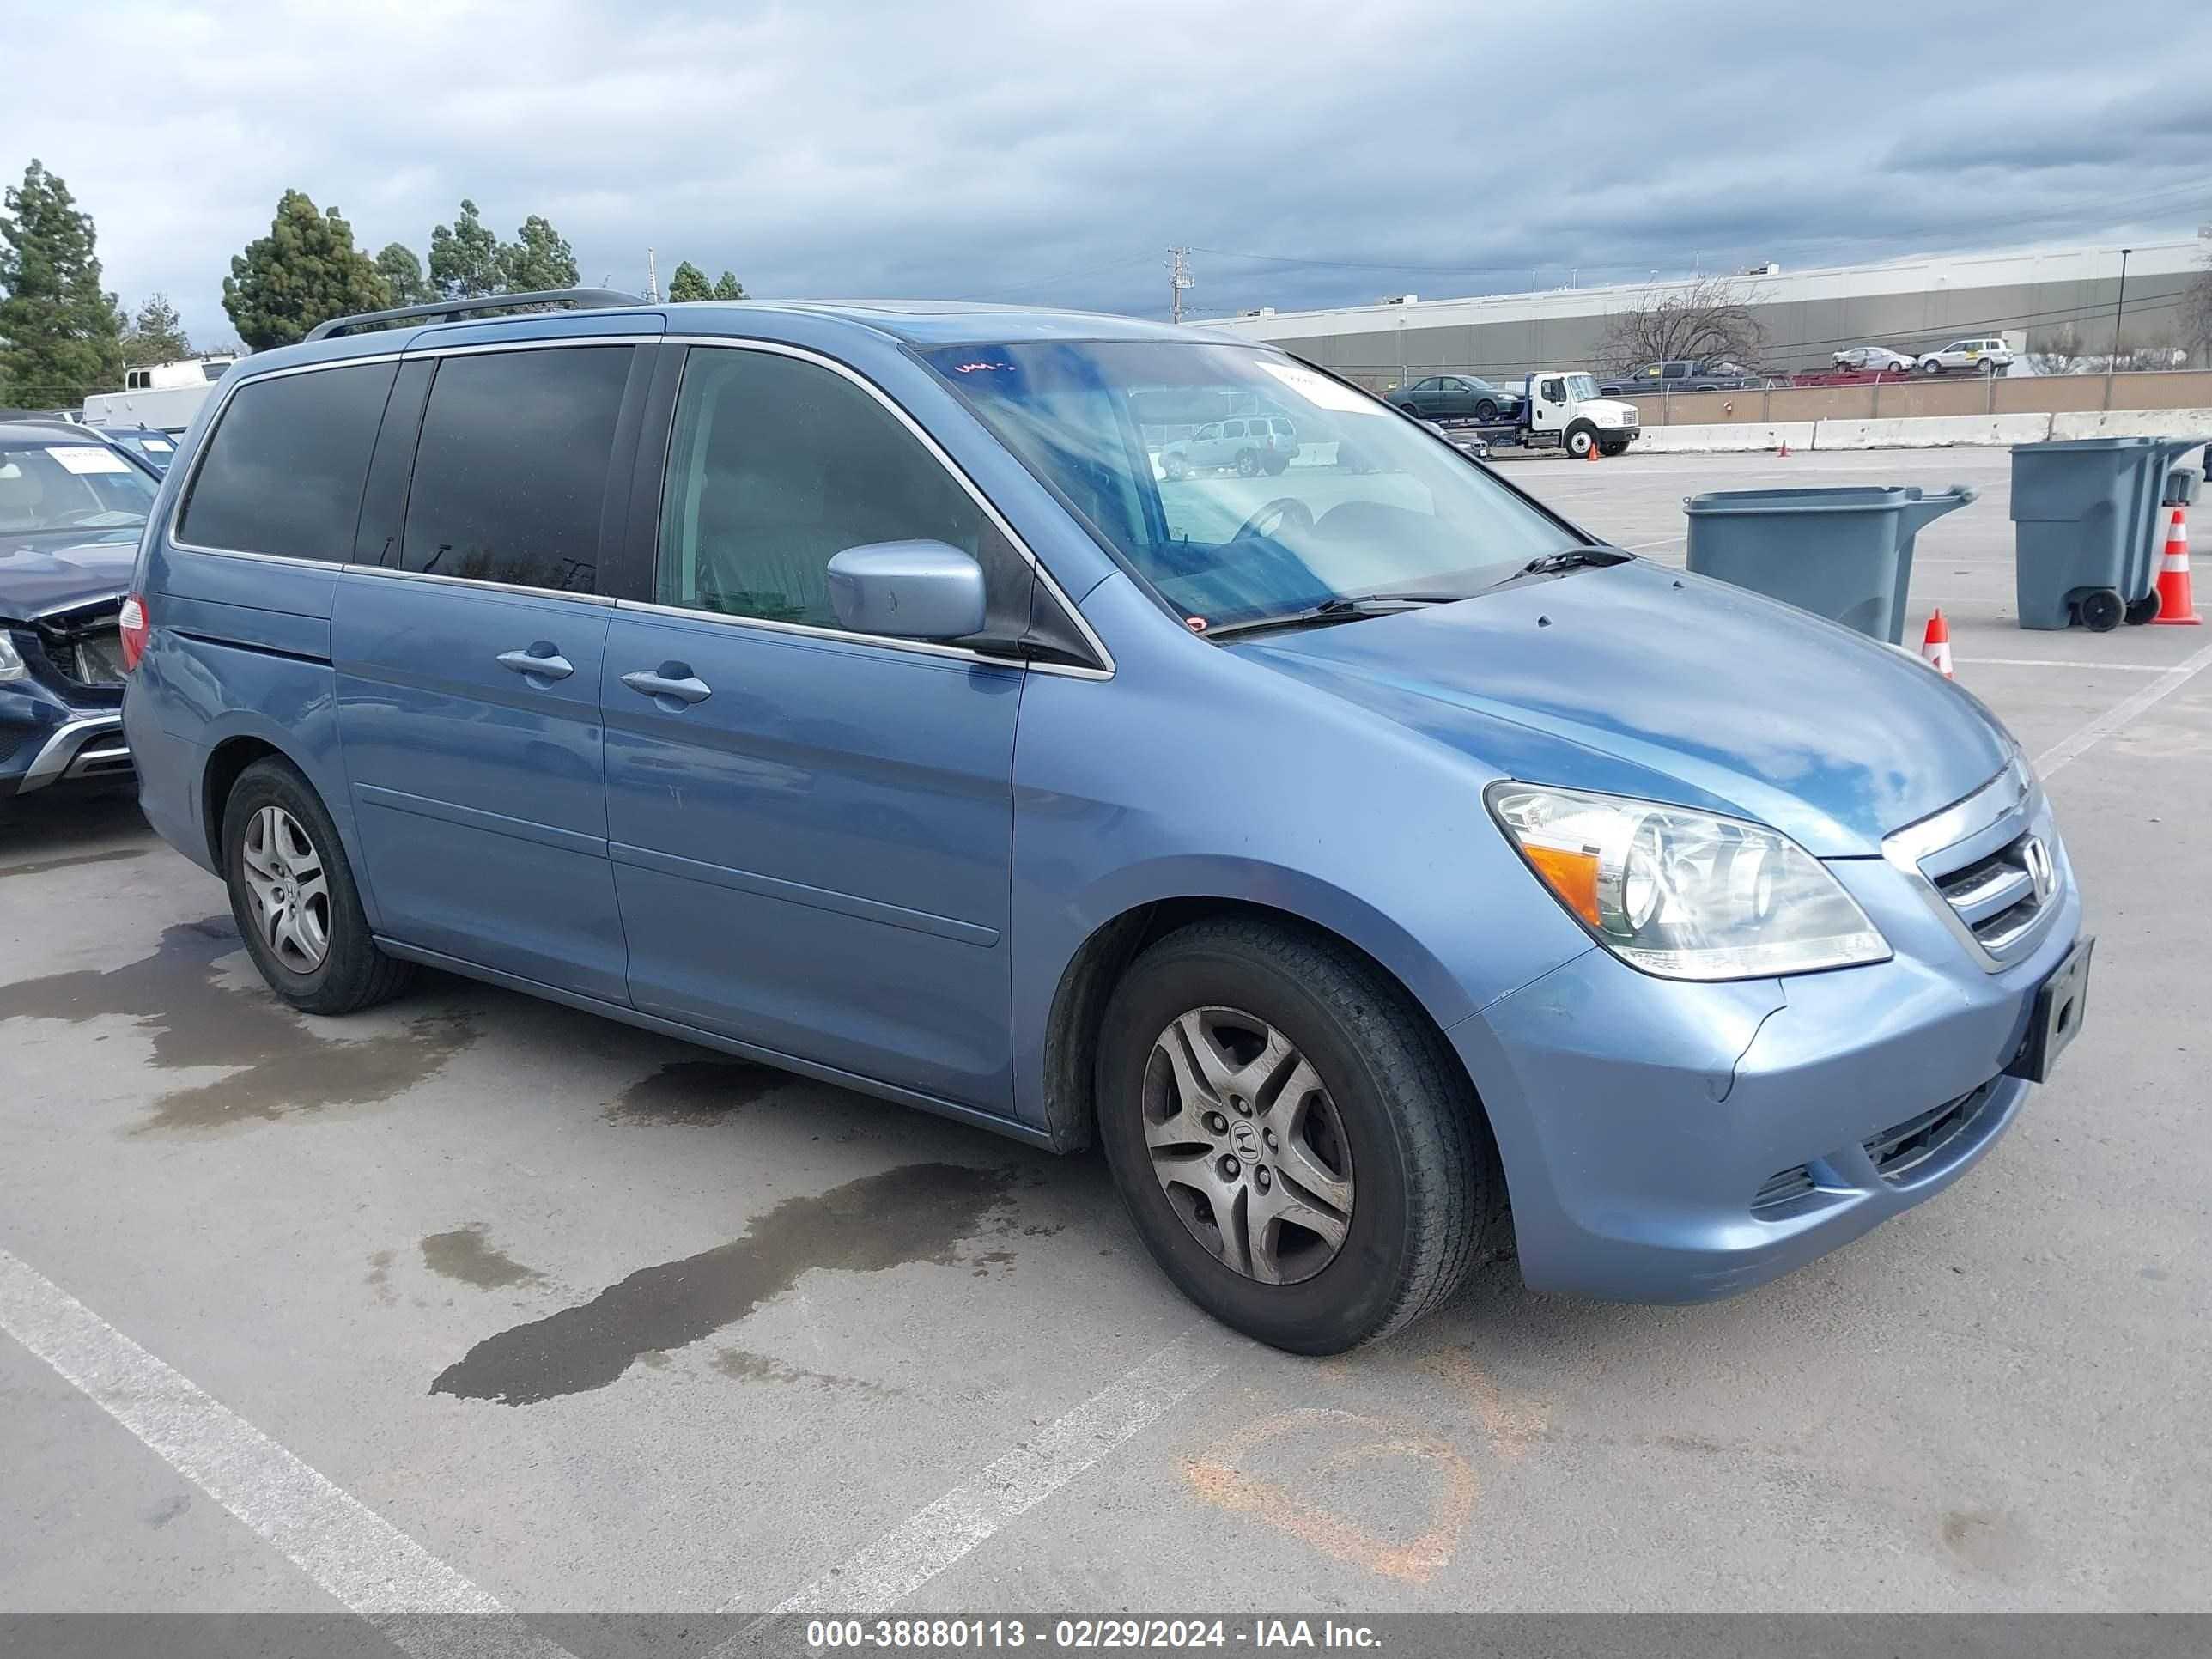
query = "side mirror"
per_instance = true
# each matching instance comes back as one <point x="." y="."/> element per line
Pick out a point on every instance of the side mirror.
<point x="908" y="590"/>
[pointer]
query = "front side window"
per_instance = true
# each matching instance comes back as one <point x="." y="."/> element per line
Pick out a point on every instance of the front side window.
<point x="1367" y="501"/>
<point x="283" y="471"/>
<point x="70" y="488"/>
<point x="511" y="469"/>
<point x="776" y="466"/>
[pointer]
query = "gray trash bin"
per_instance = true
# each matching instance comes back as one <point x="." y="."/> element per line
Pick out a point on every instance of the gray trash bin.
<point x="1843" y="554"/>
<point x="2085" y="527"/>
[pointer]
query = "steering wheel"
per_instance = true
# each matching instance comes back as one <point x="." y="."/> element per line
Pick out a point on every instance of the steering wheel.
<point x="1284" y="513"/>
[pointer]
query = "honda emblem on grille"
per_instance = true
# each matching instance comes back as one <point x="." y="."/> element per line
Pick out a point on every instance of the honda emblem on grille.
<point x="2040" y="871"/>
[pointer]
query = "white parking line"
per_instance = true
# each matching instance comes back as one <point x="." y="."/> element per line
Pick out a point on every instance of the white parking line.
<point x="909" y="1556"/>
<point x="350" y="1551"/>
<point x="2054" y="662"/>
<point x="2066" y="752"/>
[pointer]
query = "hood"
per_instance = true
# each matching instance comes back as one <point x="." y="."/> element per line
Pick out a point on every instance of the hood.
<point x="1637" y="680"/>
<point x="43" y="574"/>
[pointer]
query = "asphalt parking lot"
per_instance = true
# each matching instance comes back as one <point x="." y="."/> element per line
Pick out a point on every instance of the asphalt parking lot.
<point x="579" y="1318"/>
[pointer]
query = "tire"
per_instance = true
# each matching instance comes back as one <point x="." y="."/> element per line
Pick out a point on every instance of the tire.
<point x="1580" y="440"/>
<point x="1411" y="410"/>
<point x="1486" y="410"/>
<point x="1613" y="449"/>
<point x="1247" y="463"/>
<point x="1277" y="465"/>
<point x="1177" y="467"/>
<point x="1421" y="1183"/>
<point x="2141" y="611"/>
<point x="2100" y="609"/>
<point x="352" y="974"/>
<point x="1929" y="366"/>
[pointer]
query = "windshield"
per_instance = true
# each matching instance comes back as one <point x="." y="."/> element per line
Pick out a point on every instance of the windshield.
<point x="1231" y="519"/>
<point x="1581" y="385"/>
<point x="70" y="487"/>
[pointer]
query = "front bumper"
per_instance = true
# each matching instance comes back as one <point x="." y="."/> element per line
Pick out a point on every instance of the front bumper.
<point x="1639" y="1120"/>
<point x="46" y="741"/>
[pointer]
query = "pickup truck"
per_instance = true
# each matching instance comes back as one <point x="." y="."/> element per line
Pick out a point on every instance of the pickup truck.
<point x="1678" y="374"/>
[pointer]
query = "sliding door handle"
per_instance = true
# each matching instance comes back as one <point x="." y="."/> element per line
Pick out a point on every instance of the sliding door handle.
<point x="675" y="680"/>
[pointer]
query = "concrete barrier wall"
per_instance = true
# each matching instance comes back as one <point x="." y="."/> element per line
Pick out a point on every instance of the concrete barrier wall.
<point x="1912" y="399"/>
<point x="1723" y="438"/>
<point x="2133" y="423"/>
<point x="1937" y="432"/>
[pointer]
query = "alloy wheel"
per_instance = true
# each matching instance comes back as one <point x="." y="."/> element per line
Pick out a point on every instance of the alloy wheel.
<point x="1247" y="1144"/>
<point x="287" y="890"/>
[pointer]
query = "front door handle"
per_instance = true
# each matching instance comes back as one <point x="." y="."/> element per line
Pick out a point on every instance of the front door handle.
<point x="674" y="680"/>
<point x="540" y="659"/>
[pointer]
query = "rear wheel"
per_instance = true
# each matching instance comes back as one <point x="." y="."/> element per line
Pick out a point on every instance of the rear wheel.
<point x="2142" y="611"/>
<point x="1277" y="465"/>
<point x="1298" y="1151"/>
<point x="293" y="894"/>
<point x="1247" y="463"/>
<point x="1413" y="410"/>
<point x="1176" y="466"/>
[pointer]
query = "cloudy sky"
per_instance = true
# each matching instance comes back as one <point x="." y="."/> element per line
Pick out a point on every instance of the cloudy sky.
<point x="1312" y="153"/>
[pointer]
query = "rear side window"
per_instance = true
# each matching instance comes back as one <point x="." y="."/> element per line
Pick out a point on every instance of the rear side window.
<point x="284" y="468"/>
<point x="511" y="470"/>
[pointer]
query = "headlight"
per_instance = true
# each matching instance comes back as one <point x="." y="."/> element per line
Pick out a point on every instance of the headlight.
<point x="1685" y="894"/>
<point x="11" y="660"/>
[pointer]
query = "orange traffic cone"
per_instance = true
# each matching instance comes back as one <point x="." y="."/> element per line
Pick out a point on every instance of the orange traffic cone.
<point x="1935" y="649"/>
<point x="1593" y="451"/>
<point x="1783" y="452"/>
<point x="2177" y="603"/>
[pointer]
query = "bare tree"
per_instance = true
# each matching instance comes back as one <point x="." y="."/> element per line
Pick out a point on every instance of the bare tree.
<point x="2196" y="313"/>
<point x="2056" y="351"/>
<point x="1706" y="321"/>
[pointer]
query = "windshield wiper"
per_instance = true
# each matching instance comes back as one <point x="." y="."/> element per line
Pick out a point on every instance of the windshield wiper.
<point x="1572" y="558"/>
<point x="1341" y="607"/>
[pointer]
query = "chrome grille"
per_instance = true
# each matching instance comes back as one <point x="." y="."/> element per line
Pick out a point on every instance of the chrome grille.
<point x="1989" y="866"/>
<point x="1997" y="896"/>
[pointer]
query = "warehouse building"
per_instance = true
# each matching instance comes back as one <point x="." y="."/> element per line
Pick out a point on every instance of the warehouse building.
<point x="1912" y="305"/>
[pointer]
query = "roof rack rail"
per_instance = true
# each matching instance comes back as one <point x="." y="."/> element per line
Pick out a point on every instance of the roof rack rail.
<point x="441" y="311"/>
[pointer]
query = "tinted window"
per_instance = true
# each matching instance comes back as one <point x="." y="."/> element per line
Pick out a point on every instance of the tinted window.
<point x="511" y="470"/>
<point x="776" y="466"/>
<point x="284" y="470"/>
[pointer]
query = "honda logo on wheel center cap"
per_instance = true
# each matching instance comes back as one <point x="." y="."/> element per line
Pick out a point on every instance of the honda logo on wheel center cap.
<point x="1246" y="1139"/>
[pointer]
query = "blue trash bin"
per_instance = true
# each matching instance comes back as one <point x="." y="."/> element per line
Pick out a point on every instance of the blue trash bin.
<point x="1844" y="554"/>
<point x="2085" y="528"/>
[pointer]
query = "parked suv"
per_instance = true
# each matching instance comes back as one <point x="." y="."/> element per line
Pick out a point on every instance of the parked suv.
<point x="1988" y="354"/>
<point x="72" y="508"/>
<point x="1252" y="445"/>
<point x="837" y="686"/>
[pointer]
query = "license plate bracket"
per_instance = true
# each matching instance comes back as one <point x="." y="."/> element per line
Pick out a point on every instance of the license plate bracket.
<point x="2061" y="1002"/>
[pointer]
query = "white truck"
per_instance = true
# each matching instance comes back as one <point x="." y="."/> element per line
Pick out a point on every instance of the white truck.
<point x="163" y="397"/>
<point x="1560" y="409"/>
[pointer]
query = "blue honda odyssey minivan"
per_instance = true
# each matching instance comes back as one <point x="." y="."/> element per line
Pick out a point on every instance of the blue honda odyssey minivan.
<point x="1381" y="868"/>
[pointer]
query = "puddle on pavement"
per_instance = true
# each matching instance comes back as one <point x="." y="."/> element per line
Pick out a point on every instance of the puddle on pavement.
<point x="917" y="1212"/>
<point x="746" y="1366"/>
<point x="466" y="1253"/>
<point x="43" y="866"/>
<point x="695" y="1091"/>
<point x="279" y="1068"/>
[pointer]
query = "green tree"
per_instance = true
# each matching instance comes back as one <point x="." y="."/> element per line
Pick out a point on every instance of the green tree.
<point x="157" y="335"/>
<point x="402" y="274"/>
<point x="60" y="335"/>
<point x="305" y="270"/>
<point x="538" y="259"/>
<point x="464" y="256"/>
<point x="690" y="283"/>
<point x="727" y="287"/>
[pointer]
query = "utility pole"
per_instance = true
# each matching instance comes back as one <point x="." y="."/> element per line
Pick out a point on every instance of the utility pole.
<point x="1178" y="280"/>
<point x="652" y="279"/>
<point x="2119" y="310"/>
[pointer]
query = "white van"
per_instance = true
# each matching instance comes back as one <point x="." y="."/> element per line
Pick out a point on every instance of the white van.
<point x="163" y="395"/>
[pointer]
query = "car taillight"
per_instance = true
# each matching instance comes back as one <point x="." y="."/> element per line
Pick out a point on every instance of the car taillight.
<point x="131" y="622"/>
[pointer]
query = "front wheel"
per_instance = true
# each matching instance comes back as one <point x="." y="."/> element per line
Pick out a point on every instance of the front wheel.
<point x="2142" y="611"/>
<point x="1580" y="441"/>
<point x="1247" y="463"/>
<point x="2102" y="610"/>
<point x="293" y="894"/>
<point x="1486" y="410"/>
<point x="1300" y="1151"/>
<point x="1177" y="468"/>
